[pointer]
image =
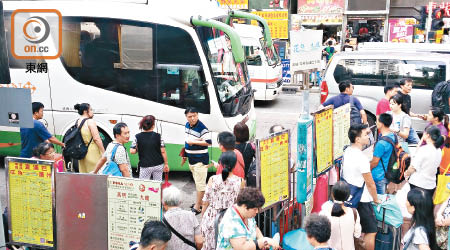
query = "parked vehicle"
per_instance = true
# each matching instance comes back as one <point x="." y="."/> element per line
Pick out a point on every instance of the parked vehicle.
<point x="370" y="71"/>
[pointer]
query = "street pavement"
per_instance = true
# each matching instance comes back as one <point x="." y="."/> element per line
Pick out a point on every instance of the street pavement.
<point x="285" y="110"/>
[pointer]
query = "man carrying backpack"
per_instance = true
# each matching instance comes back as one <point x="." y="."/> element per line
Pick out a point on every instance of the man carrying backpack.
<point x="440" y="98"/>
<point x="382" y="153"/>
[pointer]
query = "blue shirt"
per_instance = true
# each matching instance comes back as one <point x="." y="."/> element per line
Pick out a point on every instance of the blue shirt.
<point x="231" y="226"/>
<point x="341" y="100"/>
<point x="31" y="137"/>
<point x="382" y="150"/>
<point x="196" y="153"/>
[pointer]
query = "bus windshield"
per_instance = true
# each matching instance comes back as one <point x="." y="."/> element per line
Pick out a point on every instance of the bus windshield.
<point x="270" y="52"/>
<point x="230" y="78"/>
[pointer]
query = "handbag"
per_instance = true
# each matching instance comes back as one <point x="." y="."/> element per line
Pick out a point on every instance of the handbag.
<point x="442" y="192"/>
<point x="388" y="211"/>
<point x="186" y="241"/>
<point x="355" y="194"/>
<point x="112" y="168"/>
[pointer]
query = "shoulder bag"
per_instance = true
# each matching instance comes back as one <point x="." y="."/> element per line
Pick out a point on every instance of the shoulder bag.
<point x="186" y="241"/>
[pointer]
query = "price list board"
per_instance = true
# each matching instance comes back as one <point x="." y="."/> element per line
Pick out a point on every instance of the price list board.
<point x="131" y="202"/>
<point x="323" y="123"/>
<point x="30" y="201"/>
<point x="341" y="125"/>
<point x="273" y="155"/>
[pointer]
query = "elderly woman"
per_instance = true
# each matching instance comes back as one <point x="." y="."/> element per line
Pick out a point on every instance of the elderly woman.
<point x="182" y="221"/>
<point x="238" y="229"/>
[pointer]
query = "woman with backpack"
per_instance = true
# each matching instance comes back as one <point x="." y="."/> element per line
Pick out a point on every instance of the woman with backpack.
<point x="425" y="162"/>
<point x="151" y="149"/>
<point x="246" y="148"/>
<point x="345" y="224"/>
<point x="422" y="233"/>
<point x="91" y="137"/>
<point x="221" y="193"/>
<point x="401" y="121"/>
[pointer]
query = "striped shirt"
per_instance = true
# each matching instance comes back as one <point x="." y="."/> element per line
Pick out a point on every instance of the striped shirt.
<point x="196" y="153"/>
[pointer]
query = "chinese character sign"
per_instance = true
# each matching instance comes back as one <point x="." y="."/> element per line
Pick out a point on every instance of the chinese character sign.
<point x="269" y="4"/>
<point x="401" y="30"/>
<point x="320" y="6"/>
<point x="274" y="168"/>
<point x="341" y="125"/>
<point x="323" y="122"/>
<point x="30" y="201"/>
<point x="306" y="52"/>
<point x="234" y="4"/>
<point x="131" y="202"/>
<point x="277" y="21"/>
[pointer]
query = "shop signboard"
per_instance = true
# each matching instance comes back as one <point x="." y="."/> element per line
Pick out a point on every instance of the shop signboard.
<point x="323" y="124"/>
<point x="268" y="4"/>
<point x="30" y="201"/>
<point x="316" y="19"/>
<point x="444" y="6"/>
<point x="401" y="30"/>
<point x="341" y="125"/>
<point x="234" y="4"/>
<point x="273" y="170"/>
<point x="280" y="46"/>
<point x="131" y="202"/>
<point x="367" y="5"/>
<point x="277" y="20"/>
<point x="306" y="50"/>
<point x="320" y="6"/>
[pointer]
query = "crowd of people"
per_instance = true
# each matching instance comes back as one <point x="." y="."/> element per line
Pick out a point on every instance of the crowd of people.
<point x="228" y="205"/>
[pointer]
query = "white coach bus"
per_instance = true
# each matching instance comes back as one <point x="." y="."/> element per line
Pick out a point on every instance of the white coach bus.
<point x="129" y="60"/>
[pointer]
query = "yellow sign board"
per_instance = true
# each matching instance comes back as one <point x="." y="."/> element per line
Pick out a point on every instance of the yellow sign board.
<point x="277" y="20"/>
<point x="274" y="168"/>
<point x="30" y="201"/>
<point x="324" y="139"/>
<point x="234" y="4"/>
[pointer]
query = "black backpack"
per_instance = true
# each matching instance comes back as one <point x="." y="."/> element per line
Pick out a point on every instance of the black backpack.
<point x="251" y="175"/>
<point x="398" y="163"/>
<point x="75" y="146"/>
<point x="440" y="95"/>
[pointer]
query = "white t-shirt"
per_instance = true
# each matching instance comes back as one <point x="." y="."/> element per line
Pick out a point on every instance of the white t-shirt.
<point x="355" y="165"/>
<point x="426" y="161"/>
<point x="399" y="122"/>
<point x="420" y="237"/>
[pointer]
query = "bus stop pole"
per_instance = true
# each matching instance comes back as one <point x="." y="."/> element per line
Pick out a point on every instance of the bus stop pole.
<point x="2" y="233"/>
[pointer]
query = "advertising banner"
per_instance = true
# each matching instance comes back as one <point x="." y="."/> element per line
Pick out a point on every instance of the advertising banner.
<point x="131" y="202"/>
<point x="268" y="4"/>
<point x="234" y="4"/>
<point x="341" y="125"/>
<point x="277" y="20"/>
<point x="320" y="6"/>
<point x="306" y="49"/>
<point x="401" y="30"/>
<point x="30" y="201"/>
<point x="323" y="123"/>
<point x="305" y="159"/>
<point x="273" y="171"/>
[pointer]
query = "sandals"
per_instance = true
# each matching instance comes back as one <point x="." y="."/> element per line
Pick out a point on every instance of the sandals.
<point x="195" y="211"/>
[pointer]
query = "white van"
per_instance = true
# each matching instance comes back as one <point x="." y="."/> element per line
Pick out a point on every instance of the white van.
<point x="129" y="60"/>
<point x="412" y="47"/>
<point x="370" y="71"/>
<point x="263" y="66"/>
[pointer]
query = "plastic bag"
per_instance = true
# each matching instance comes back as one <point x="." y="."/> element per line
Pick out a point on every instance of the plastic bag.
<point x="393" y="215"/>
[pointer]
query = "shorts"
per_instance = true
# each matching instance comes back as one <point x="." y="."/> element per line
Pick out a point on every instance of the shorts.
<point x="199" y="173"/>
<point x="367" y="217"/>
